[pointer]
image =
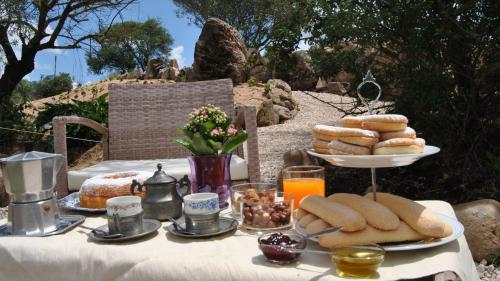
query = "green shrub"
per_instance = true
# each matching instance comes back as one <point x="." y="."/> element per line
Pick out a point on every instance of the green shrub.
<point x="96" y="110"/>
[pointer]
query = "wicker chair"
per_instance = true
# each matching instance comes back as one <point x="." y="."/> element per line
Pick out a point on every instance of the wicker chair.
<point x="144" y="118"/>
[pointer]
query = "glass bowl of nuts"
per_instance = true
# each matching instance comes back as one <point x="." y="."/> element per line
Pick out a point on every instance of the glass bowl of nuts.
<point x="269" y="213"/>
<point x="253" y="192"/>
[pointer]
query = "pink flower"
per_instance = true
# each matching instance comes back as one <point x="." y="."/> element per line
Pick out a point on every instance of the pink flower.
<point x="215" y="132"/>
<point x="196" y="110"/>
<point x="231" y="131"/>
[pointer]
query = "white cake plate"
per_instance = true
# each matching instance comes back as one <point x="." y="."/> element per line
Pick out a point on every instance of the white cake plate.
<point x="375" y="161"/>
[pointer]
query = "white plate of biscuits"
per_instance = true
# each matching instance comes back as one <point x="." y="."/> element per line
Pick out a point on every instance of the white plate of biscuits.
<point x="375" y="161"/>
<point x="395" y="222"/>
<point x="370" y="141"/>
<point x="458" y="230"/>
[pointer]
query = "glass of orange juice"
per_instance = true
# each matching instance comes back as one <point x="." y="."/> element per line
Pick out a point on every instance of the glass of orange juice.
<point x="301" y="181"/>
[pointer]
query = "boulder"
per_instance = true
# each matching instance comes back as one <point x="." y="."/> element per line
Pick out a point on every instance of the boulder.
<point x="220" y="53"/>
<point x="266" y="116"/>
<point x="283" y="112"/>
<point x="258" y="66"/>
<point x="186" y="74"/>
<point x="280" y="84"/>
<point x="321" y="84"/>
<point x="153" y="68"/>
<point x="174" y="63"/>
<point x="481" y="220"/>
<point x="304" y="78"/>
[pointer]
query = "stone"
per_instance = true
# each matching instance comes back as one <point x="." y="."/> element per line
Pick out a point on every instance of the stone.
<point x="283" y="112"/>
<point x="321" y="84"/>
<point x="174" y="63"/>
<point x="336" y="88"/>
<point x="481" y="219"/>
<point x="153" y="68"/>
<point x="186" y="74"/>
<point x="266" y="116"/>
<point x="220" y="52"/>
<point x="304" y="78"/>
<point x="280" y="84"/>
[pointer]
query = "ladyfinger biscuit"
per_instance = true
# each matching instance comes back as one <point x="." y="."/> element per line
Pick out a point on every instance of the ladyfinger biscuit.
<point x="370" y="235"/>
<point x="333" y="213"/>
<point x="299" y="213"/>
<point x="420" y="218"/>
<point x="321" y="146"/>
<point x="307" y="219"/>
<point x="351" y="121"/>
<point x="384" y="122"/>
<point x="345" y="148"/>
<point x="407" y="133"/>
<point x="317" y="226"/>
<point x="376" y="214"/>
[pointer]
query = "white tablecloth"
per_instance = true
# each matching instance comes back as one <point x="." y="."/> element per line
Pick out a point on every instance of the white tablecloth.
<point x="72" y="256"/>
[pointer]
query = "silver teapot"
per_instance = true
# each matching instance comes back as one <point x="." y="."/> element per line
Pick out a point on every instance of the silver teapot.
<point x="163" y="196"/>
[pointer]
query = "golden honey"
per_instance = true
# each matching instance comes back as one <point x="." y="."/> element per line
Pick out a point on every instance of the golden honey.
<point x="360" y="261"/>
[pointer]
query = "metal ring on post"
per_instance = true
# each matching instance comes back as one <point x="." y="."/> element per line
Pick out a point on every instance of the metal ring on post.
<point x="369" y="78"/>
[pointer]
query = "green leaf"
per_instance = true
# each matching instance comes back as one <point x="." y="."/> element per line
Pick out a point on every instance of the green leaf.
<point x="216" y="145"/>
<point x="186" y="132"/>
<point x="209" y="126"/>
<point x="187" y="144"/>
<point x="201" y="146"/>
<point x="234" y="141"/>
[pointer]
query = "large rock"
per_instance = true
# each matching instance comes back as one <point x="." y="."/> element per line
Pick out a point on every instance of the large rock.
<point x="220" y="53"/>
<point x="481" y="220"/>
<point x="280" y="84"/>
<point x="281" y="94"/>
<point x="304" y="77"/>
<point x="266" y="116"/>
<point x="154" y="67"/>
<point x="283" y="112"/>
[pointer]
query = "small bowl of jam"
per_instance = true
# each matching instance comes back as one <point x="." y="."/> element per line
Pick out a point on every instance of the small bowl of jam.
<point x="358" y="261"/>
<point x="277" y="247"/>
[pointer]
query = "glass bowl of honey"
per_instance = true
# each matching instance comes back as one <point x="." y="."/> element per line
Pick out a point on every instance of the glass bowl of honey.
<point x="358" y="261"/>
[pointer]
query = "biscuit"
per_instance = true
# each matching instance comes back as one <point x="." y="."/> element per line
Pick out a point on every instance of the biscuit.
<point x="321" y="146"/>
<point x="317" y="226"/>
<point x="333" y="213"/>
<point x="399" y="146"/>
<point x="337" y="147"/>
<point x="376" y="214"/>
<point x="299" y="213"/>
<point x="384" y="122"/>
<point x="420" y="218"/>
<point x="351" y="121"/>
<point x="307" y="219"/>
<point x="370" y="235"/>
<point x="407" y="133"/>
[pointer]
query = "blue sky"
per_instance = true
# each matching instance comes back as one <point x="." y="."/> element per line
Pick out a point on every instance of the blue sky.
<point x="73" y="61"/>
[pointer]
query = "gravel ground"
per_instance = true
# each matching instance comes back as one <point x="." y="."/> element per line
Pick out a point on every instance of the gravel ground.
<point x="275" y="140"/>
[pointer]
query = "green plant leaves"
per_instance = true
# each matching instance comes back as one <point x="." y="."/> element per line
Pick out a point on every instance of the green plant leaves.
<point x="201" y="146"/>
<point x="234" y="142"/>
<point x="187" y="144"/>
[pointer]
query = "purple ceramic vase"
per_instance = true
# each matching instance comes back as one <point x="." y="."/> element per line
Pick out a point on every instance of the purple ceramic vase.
<point x="211" y="174"/>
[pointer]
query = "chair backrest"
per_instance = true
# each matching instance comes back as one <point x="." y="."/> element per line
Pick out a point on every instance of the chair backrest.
<point x="143" y="118"/>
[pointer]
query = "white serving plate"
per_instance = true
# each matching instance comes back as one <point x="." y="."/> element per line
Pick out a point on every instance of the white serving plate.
<point x="375" y="161"/>
<point x="458" y="230"/>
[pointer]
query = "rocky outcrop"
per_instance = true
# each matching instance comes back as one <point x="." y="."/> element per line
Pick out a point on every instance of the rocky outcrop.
<point x="281" y="94"/>
<point x="481" y="220"/>
<point x="220" y="53"/>
<point x="304" y="78"/>
<point x="266" y="116"/>
<point x="155" y="68"/>
<point x="258" y="66"/>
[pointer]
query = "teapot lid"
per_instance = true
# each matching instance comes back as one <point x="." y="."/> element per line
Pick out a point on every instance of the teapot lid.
<point x="160" y="177"/>
<point x="29" y="156"/>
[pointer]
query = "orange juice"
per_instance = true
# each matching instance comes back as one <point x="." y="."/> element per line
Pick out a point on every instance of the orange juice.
<point x="300" y="187"/>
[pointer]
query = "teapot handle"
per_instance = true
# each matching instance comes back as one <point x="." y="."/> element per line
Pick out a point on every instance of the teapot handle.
<point x="185" y="185"/>
<point x="133" y="185"/>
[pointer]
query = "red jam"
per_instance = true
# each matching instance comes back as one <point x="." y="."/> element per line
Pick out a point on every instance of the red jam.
<point x="275" y="248"/>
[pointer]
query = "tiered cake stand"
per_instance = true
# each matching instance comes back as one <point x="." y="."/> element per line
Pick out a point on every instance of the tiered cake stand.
<point x="374" y="161"/>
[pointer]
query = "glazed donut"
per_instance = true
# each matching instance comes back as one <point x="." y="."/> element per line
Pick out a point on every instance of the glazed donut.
<point x="351" y="121"/>
<point x="321" y="147"/>
<point x="340" y="148"/>
<point x="399" y="146"/>
<point x="96" y="190"/>
<point x="347" y="135"/>
<point x="407" y="133"/>
<point x="384" y="122"/>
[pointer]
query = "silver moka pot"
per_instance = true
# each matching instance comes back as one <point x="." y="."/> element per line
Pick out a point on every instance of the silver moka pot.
<point x="29" y="180"/>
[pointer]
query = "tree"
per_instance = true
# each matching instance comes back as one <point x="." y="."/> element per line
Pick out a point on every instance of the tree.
<point x="260" y="22"/>
<point x="128" y="45"/>
<point x="51" y="85"/>
<point x="34" y="26"/>
<point x="443" y="56"/>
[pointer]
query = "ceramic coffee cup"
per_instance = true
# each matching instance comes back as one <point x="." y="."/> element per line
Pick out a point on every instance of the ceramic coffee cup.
<point x="125" y="215"/>
<point x="201" y="203"/>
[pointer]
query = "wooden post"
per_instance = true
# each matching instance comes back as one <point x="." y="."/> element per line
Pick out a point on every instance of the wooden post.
<point x="59" y="126"/>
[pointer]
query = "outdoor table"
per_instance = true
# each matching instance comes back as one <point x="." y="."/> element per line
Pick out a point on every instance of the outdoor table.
<point x="236" y="256"/>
